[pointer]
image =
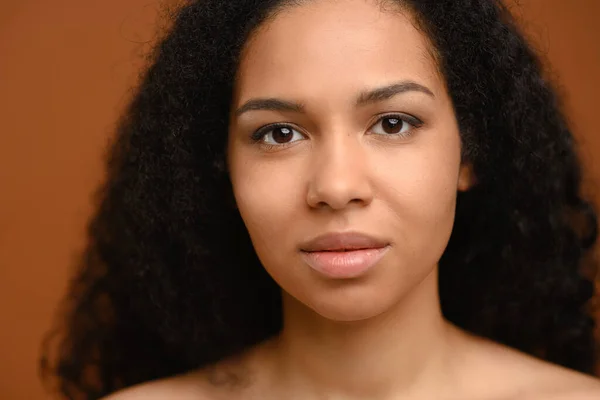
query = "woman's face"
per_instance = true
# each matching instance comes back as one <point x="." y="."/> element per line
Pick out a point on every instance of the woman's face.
<point x="349" y="199"/>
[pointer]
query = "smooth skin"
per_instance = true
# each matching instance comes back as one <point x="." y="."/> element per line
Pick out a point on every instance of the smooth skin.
<point x="370" y="144"/>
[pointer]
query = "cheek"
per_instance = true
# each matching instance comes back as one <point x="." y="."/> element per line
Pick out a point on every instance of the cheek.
<point x="267" y="198"/>
<point x="429" y="186"/>
<point x="422" y="194"/>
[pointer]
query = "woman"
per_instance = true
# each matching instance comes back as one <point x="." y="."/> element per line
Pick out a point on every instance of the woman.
<point x="348" y="199"/>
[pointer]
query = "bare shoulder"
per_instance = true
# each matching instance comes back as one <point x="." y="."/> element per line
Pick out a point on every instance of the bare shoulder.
<point x="558" y="383"/>
<point x="525" y="377"/>
<point x="182" y="387"/>
<point x="238" y="377"/>
<point x="212" y="383"/>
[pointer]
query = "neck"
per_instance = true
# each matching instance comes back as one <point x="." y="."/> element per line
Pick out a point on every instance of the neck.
<point x="400" y="351"/>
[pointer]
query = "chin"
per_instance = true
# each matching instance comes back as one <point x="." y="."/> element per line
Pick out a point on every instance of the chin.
<point x="351" y="303"/>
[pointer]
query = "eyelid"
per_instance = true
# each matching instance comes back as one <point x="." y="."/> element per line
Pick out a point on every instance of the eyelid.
<point x="410" y="119"/>
<point x="262" y="131"/>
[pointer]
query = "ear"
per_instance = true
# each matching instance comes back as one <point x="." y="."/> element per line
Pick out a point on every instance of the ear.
<point x="466" y="177"/>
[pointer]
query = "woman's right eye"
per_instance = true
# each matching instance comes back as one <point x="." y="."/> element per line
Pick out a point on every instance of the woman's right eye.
<point x="278" y="135"/>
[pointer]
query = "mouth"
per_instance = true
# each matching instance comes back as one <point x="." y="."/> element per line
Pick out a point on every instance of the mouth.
<point x="341" y="250"/>
<point x="343" y="242"/>
<point x="344" y="255"/>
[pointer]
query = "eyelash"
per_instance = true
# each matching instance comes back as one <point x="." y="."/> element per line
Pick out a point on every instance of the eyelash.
<point x="414" y="122"/>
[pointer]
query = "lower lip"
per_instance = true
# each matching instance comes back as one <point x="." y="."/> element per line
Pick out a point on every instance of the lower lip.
<point x="344" y="264"/>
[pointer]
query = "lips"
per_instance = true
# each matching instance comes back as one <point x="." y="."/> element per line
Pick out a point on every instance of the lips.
<point x="343" y="255"/>
<point x="343" y="242"/>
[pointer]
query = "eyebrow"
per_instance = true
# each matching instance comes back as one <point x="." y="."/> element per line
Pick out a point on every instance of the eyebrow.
<point x="364" y="98"/>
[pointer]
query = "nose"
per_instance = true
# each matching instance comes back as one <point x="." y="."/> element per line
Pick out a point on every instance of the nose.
<point x="339" y="176"/>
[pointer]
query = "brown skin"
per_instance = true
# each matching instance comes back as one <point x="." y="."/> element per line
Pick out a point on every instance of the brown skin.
<point x="345" y="167"/>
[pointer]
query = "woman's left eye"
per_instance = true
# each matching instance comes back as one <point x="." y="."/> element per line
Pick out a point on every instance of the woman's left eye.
<point x="395" y="124"/>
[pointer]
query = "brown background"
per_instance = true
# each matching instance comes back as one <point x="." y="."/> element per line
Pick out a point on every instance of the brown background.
<point x="66" y="67"/>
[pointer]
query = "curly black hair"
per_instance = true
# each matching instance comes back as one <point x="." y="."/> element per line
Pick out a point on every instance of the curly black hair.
<point x="170" y="281"/>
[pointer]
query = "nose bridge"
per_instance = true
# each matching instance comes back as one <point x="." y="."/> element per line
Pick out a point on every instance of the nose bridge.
<point x="339" y="155"/>
<point x="340" y="173"/>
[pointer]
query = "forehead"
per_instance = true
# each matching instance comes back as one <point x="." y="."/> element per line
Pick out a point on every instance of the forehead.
<point x="334" y="45"/>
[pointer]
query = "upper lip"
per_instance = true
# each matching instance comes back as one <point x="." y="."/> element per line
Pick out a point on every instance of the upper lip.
<point x="343" y="241"/>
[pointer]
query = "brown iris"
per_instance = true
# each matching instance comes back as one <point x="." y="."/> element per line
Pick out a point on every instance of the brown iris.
<point x="282" y="134"/>
<point x="391" y="125"/>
